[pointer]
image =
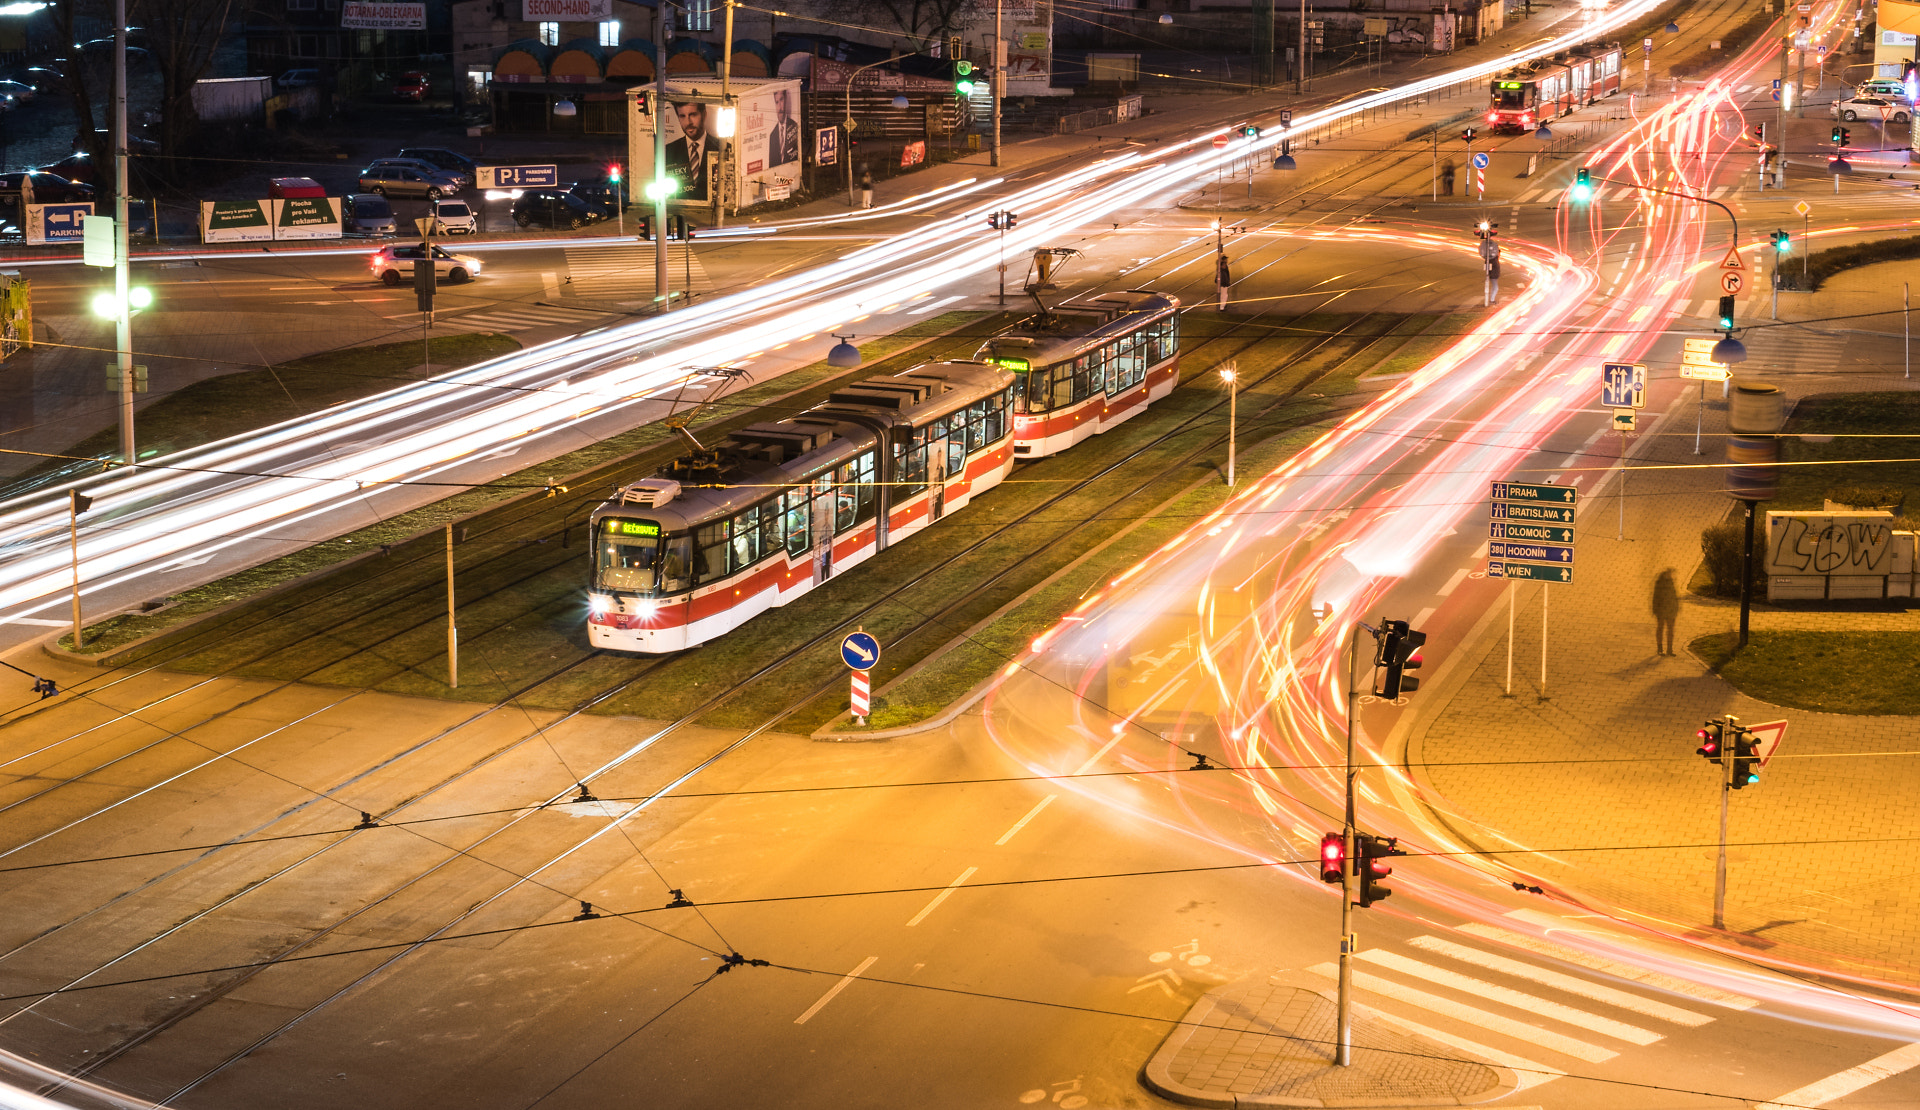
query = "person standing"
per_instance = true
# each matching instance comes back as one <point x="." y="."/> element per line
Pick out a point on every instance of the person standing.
<point x="1666" y="611"/>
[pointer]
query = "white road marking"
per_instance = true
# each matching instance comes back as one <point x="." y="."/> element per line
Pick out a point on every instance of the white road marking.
<point x="1842" y="1084"/>
<point x="1453" y="583"/>
<point x="1519" y="1030"/>
<point x="551" y="281"/>
<point x="37" y="622"/>
<point x="1528" y="1073"/>
<point x="1600" y="963"/>
<point x="1096" y="757"/>
<point x="1420" y="618"/>
<point x="1571" y="984"/>
<point x="845" y="981"/>
<point x="1506" y="996"/>
<point x="931" y="305"/>
<point x="937" y="899"/>
<point x="1022" y="823"/>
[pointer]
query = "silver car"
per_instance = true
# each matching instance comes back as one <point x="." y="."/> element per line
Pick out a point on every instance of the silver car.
<point x="368" y="214"/>
<point x="402" y="181"/>
<point x="423" y="166"/>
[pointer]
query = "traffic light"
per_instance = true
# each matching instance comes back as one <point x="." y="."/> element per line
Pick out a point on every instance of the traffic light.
<point x="1394" y="650"/>
<point x="1726" y="312"/>
<point x="1712" y="738"/>
<point x="1010" y="218"/>
<point x="1782" y="242"/>
<point x="993" y="220"/>
<point x="1002" y="221"/>
<point x="613" y="174"/>
<point x="1746" y="759"/>
<point x="646" y="228"/>
<point x="1250" y="130"/>
<point x="1372" y="867"/>
<point x="1841" y="136"/>
<point x="1333" y="858"/>
<point x="1467" y="134"/>
<point x="962" y="78"/>
<point x="1582" y="184"/>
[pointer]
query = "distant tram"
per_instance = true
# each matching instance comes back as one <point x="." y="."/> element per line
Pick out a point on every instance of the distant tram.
<point x="1524" y="98"/>
<point x="1086" y="365"/>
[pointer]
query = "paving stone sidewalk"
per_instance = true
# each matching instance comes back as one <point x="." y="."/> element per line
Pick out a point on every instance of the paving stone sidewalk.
<point x="1600" y="778"/>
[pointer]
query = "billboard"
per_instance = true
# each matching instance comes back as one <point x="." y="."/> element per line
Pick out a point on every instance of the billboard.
<point x="56" y="223"/>
<point x="306" y="218"/>
<point x="762" y="156"/>
<point x="366" y="15"/>
<point x="235" y="221"/>
<point x="577" y="11"/>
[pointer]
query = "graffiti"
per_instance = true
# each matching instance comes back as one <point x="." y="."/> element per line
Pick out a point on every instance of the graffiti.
<point x="1829" y="545"/>
<point x="1407" y="31"/>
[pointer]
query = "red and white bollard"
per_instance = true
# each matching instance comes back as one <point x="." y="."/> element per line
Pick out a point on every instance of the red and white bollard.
<point x="862" y="686"/>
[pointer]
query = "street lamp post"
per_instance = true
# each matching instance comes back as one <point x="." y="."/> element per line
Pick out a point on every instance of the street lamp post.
<point x="1230" y="373"/>
<point x="658" y="190"/>
<point x="849" y="122"/>
<point x="122" y="245"/>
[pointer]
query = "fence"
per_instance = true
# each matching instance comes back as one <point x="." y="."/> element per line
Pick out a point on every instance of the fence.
<point x="1127" y="108"/>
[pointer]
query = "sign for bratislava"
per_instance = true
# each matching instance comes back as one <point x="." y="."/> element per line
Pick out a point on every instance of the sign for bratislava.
<point x="581" y="11"/>
<point x="383" y="17"/>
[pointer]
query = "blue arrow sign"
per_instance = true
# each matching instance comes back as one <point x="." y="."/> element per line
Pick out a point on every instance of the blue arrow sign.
<point x="1529" y="572"/>
<point x="1537" y="533"/>
<point x="1546" y="514"/>
<point x="1623" y="385"/>
<point x="1531" y="552"/>
<point x="1480" y="159"/>
<point x="860" y="650"/>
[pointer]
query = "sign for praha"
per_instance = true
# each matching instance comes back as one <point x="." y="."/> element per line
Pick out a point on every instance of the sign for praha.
<point x="362" y="15"/>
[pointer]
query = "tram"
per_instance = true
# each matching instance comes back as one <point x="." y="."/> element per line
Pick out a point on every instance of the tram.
<point x="726" y="533"/>
<point x="1547" y="89"/>
<point x="1086" y="364"/>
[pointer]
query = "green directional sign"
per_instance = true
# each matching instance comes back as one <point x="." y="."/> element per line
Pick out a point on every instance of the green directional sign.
<point x="1536" y="492"/>
<point x="1529" y="533"/>
<point x="1529" y="572"/>
<point x="1544" y="514"/>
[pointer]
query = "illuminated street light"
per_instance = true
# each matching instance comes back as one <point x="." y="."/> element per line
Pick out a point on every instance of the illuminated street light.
<point x="662" y="188"/>
<point x="1230" y="373"/>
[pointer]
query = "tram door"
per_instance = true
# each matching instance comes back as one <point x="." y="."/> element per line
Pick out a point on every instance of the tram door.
<point x="937" y="469"/>
<point x="823" y="522"/>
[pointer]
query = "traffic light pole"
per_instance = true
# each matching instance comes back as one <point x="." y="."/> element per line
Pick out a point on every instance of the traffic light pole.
<point x="1343" y="1030"/>
<point x="1727" y="748"/>
<point x="122" y="246"/>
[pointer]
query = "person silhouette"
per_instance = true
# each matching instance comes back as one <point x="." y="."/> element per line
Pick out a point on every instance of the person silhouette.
<point x="1666" y="610"/>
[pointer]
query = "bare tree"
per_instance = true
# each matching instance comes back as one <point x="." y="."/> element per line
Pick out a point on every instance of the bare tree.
<point x="923" y="22"/>
<point x="71" y="20"/>
<point x="181" y="36"/>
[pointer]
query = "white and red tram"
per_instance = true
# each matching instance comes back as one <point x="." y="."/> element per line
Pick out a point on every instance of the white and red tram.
<point x="777" y="508"/>
<point x="1086" y="365"/>
<point x="1547" y="89"/>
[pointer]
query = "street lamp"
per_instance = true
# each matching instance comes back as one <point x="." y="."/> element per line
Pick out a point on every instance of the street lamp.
<point x="848" y="123"/>
<point x="1543" y="132"/>
<point x="1230" y="374"/>
<point x="1166" y="20"/>
<point x="565" y="109"/>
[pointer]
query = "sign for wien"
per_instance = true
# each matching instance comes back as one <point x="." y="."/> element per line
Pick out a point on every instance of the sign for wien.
<point x="583" y="11"/>
<point x="383" y="17"/>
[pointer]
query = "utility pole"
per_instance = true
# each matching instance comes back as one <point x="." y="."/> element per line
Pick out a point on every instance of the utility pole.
<point x="122" y="245"/>
<point x="727" y="142"/>
<point x="453" y="631"/>
<point x="999" y="78"/>
<point x="662" y="296"/>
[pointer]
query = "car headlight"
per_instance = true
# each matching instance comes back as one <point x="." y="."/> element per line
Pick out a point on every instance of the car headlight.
<point x="599" y="604"/>
<point x="474" y="266"/>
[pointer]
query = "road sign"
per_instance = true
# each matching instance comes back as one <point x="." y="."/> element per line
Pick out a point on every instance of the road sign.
<point x="1286" y="117"/>
<point x="1532" y="552"/>
<point x="1731" y="281"/>
<point x="1480" y="159"/>
<point x="1769" y="734"/>
<point x="1537" y="533"/>
<point x="1539" y="514"/>
<point x="1776" y="84"/>
<point x="1529" y="572"/>
<point x="1732" y="261"/>
<point x="1623" y="420"/>
<point x="1802" y="208"/>
<point x="516" y="177"/>
<point x="860" y="650"/>
<point x="1774" y="96"/>
<point x="1706" y="373"/>
<point x="1535" y="491"/>
<point x="1623" y="385"/>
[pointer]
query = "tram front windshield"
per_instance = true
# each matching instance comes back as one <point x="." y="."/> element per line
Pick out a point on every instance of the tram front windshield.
<point x="627" y="555"/>
<point x="1511" y="95"/>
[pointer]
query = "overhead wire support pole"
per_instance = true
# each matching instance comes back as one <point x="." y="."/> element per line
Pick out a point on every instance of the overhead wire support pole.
<point x="1343" y="1024"/>
<point x="122" y="242"/>
<point x="999" y="76"/>
<point x="453" y="631"/>
<point x="662" y="296"/>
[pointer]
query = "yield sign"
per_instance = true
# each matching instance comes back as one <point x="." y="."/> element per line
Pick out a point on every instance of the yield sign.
<point x="1732" y="261"/>
<point x="1769" y="733"/>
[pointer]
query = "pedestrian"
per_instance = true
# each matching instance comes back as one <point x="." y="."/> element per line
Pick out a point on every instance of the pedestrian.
<point x="1666" y="609"/>
<point x="866" y="188"/>
<point x="1446" y="179"/>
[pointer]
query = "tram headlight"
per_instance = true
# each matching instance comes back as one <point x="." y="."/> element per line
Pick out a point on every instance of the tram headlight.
<point x="599" y="604"/>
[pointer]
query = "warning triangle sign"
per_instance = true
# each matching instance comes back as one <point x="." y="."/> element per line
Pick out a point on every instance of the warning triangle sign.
<point x="1733" y="260"/>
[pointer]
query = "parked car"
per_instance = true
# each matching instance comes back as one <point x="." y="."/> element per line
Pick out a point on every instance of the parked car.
<point x="297" y="79"/>
<point x="78" y="166"/>
<point x="48" y="188"/>
<point x="1872" y="109"/>
<point x="394" y="264"/>
<point x="367" y="214"/>
<point x="425" y="167"/>
<point x="452" y="217"/>
<point x="412" y="85"/>
<point x="402" y="181"/>
<point x="608" y="196"/>
<point x="19" y="91"/>
<point x="442" y="158"/>
<point x="554" y="208"/>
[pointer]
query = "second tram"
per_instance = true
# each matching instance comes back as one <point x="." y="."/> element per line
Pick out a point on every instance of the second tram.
<point x="1526" y="97"/>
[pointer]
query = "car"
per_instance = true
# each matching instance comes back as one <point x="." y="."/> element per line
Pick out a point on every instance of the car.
<point x="393" y="264"/>
<point x="403" y="181"/>
<point x="554" y="208"/>
<point x="412" y="85"/>
<point x="297" y="79"/>
<point x="19" y="91"/>
<point x="425" y="167"/>
<point x="608" y="196"/>
<point x="1885" y="87"/>
<point x="442" y="158"/>
<point x="452" y="217"/>
<point x="79" y="166"/>
<point x="367" y="214"/>
<point x="48" y="188"/>
<point x="1872" y="109"/>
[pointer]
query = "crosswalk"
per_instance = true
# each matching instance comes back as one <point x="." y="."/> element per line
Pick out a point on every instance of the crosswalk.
<point x="1557" y="187"/>
<point x="627" y="271"/>
<point x="1528" y="1015"/>
<point x="1796" y="351"/>
<point x="520" y="318"/>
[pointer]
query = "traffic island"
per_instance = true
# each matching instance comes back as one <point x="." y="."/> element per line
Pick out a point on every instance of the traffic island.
<point x="1826" y="670"/>
<point x="1270" y="1042"/>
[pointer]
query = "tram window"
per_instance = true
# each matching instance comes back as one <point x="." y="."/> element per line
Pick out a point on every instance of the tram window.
<point x="956" y="453"/>
<point x="909" y="468"/>
<point x="1063" y="384"/>
<point x="773" y="528"/>
<point x="853" y="503"/>
<point x="627" y="554"/>
<point x="710" y="552"/>
<point x="674" y="569"/>
<point x="797" y="508"/>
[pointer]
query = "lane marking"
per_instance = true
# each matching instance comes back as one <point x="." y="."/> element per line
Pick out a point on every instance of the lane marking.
<point x="1528" y="1073"/>
<point x="1600" y="963"/>
<point x="1571" y="984"/>
<point x="1453" y="583"/>
<point x="1420" y="618"/>
<point x="1521" y="1031"/>
<point x="1095" y="757"/>
<point x="1022" y="823"/>
<point x="1506" y="996"/>
<point x="845" y="981"/>
<point x="929" y="908"/>
<point x="1842" y="1084"/>
<point x="38" y="622"/>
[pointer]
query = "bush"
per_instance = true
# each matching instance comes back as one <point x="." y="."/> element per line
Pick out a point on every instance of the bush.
<point x="1720" y="544"/>
<point x="1827" y="263"/>
<point x="1868" y="496"/>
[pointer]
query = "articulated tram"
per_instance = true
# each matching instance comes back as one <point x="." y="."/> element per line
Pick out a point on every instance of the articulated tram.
<point x="1547" y="89"/>
<point x="728" y="532"/>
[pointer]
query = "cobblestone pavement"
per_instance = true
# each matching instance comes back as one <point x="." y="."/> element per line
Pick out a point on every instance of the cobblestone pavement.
<point x="1600" y="778"/>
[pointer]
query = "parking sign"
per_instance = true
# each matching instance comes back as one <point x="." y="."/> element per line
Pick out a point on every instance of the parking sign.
<point x="826" y="146"/>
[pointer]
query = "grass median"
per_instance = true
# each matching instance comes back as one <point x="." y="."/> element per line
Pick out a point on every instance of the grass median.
<point x="1865" y="673"/>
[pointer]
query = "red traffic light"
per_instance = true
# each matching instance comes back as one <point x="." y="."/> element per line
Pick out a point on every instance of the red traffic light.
<point x="1333" y="858"/>
<point x="613" y="172"/>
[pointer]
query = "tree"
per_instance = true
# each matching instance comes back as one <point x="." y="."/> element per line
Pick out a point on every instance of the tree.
<point x="924" y="22"/>
<point x="181" y="36"/>
<point x="70" y="20"/>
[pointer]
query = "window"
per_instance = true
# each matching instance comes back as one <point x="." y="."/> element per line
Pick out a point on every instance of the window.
<point x="610" y="33"/>
<point x="550" y="34"/>
<point x="855" y="502"/>
<point x="699" y="15"/>
<point x="627" y="555"/>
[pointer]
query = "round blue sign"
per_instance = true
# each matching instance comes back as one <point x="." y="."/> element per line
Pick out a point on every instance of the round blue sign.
<point x="1480" y="160"/>
<point x="860" y="650"/>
